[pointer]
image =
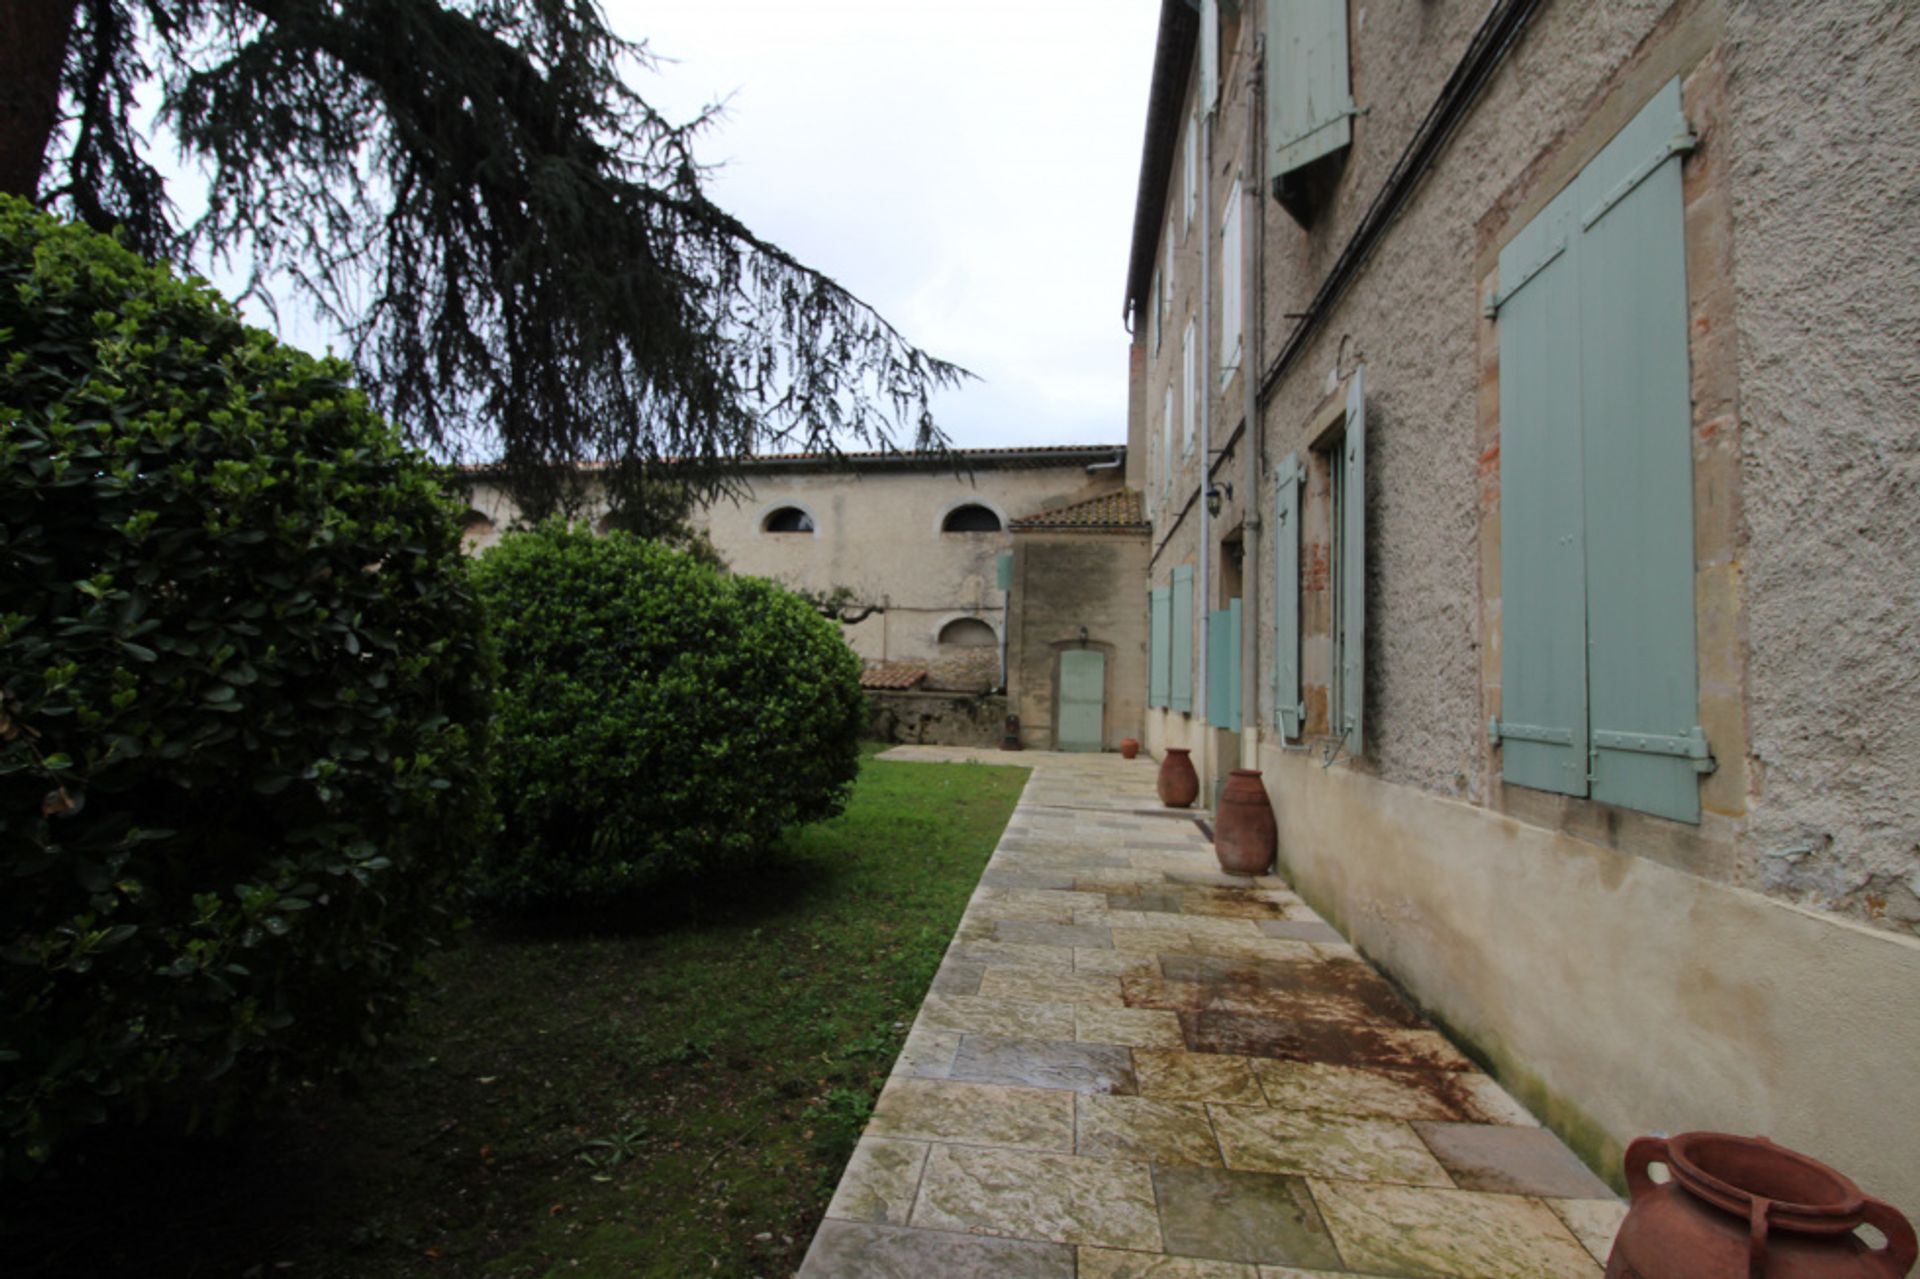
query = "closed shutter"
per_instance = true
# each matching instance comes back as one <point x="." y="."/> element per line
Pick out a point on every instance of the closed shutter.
<point x="1353" y="568"/>
<point x="1286" y="596"/>
<point x="1189" y="352"/>
<point x="1159" y="645"/>
<point x="1180" y="682"/>
<point x="1309" y="104"/>
<point x="1642" y="694"/>
<point x="1223" y="668"/>
<point x="1230" y="322"/>
<point x="1599" y="687"/>
<point x="1543" y="655"/>
<point x="1166" y="449"/>
<point x="1209" y="55"/>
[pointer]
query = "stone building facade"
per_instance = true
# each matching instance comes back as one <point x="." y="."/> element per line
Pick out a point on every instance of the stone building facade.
<point x="915" y="540"/>
<point x="1527" y="396"/>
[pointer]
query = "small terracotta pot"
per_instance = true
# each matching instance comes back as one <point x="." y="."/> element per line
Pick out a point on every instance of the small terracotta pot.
<point x="1243" y="829"/>
<point x="1129" y="748"/>
<point x="1742" y="1208"/>
<point x="1179" y="785"/>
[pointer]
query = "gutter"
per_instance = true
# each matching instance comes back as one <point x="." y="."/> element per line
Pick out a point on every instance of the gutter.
<point x="1498" y="33"/>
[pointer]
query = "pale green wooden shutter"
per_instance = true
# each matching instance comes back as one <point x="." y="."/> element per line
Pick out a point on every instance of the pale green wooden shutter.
<point x="1636" y="425"/>
<point x="1209" y="55"/>
<point x="1160" y="645"/>
<point x="1223" y="668"/>
<point x="1180" y="684"/>
<point x="1309" y="104"/>
<point x="1599" y="688"/>
<point x="1286" y="596"/>
<point x="1543" y="655"/>
<point x="1353" y="568"/>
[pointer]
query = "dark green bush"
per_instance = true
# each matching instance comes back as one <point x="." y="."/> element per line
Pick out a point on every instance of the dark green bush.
<point x="655" y="716"/>
<point x="243" y="691"/>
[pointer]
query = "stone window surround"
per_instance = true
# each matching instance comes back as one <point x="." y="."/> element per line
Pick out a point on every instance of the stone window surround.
<point x="1684" y="48"/>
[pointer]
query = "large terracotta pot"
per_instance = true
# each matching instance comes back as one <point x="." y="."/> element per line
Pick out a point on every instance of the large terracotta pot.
<point x="1243" y="833"/>
<point x="1179" y="785"/>
<point x="1744" y="1208"/>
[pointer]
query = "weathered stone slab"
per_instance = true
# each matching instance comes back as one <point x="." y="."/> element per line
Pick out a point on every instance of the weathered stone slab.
<point x="1512" y="1161"/>
<point x="1129" y="1027"/>
<point x="1241" y="1216"/>
<point x="1032" y="1063"/>
<point x="1140" y="1128"/>
<point x="1185" y="1076"/>
<point x="975" y="1015"/>
<point x="1051" y="988"/>
<point x="1325" y="1145"/>
<point x="1439" y="1234"/>
<point x="1459" y="1095"/>
<point x="1061" y="1198"/>
<point x="880" y="1181"/>
<point x="949" y="1110"/>
<point x="844" y="1249"/>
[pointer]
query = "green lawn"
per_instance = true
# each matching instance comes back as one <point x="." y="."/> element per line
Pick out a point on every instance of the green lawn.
<point x="671" y="1095"/>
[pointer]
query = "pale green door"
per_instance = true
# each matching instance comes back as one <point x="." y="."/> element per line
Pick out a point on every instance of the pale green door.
<point x="1083" y="705"/>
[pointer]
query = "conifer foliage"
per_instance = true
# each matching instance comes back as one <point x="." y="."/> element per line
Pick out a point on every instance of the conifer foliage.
<point x="520" y="246"/>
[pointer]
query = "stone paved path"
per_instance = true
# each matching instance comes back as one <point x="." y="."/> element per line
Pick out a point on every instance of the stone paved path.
<point x="1133" y="1066"/>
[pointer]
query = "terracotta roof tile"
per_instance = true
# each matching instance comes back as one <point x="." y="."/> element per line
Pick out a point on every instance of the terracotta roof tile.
<point x="1123" y="510"/>
<point x="892" y="675"/>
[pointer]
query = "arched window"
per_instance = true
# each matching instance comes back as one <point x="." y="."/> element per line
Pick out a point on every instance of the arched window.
<point x="787" y="519"/>
<point x="971" y="518"/>
<point x="475" y="527"/>
<point x="968" y="632"/>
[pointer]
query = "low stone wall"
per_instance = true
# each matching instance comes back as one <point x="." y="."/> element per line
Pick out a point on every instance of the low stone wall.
<point x="935" y="718"/>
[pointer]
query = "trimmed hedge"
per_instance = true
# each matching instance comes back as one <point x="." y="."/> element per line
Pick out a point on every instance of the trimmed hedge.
<point x="655" y="715"/>
<point x="243" y="697"/>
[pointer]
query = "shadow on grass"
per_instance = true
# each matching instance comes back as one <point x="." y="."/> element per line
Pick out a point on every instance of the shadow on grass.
<point x="785" y="881"/>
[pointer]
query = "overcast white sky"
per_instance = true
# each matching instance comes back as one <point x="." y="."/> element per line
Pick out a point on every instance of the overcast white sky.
<point x="966" y="166"/>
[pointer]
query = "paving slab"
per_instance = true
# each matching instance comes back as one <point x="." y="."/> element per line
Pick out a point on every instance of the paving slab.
<point x="1131" y="1066"/>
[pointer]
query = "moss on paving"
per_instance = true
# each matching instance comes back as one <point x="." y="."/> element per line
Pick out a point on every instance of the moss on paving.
<point x="669" y="1092"/>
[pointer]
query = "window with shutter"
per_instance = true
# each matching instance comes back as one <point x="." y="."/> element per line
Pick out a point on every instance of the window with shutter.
<point x="1598" y="681"/>
<point x="1223" y="667"/>
<point x="1166" y="446"/>
<point x="1230" y="321"/>
<point x="1193" y="171"/>
<point x="1180" y="678"/>
<point x="1309" y="102"/>
<point x="1350" y="569"/>
<point x="1189" y="352"/>
<point x="1288" y="711"/>
<point x="1159" y="645"/>
<point x="1209" y="55"/>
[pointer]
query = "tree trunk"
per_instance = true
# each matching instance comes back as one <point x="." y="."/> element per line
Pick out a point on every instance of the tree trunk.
<point x="33" y="45"/>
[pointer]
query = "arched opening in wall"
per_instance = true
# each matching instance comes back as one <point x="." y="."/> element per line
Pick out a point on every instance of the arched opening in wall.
<point x="787" y="519"/>
<point x="967" y="632"/>
<point x="475" y="528"/>
<point x="969" y="656"/>
<point x="971" y="518"/>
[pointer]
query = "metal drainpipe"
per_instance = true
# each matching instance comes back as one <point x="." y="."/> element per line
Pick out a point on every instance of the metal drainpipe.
<point x="1252" y="221"/>
<point x="1203" y="388"/>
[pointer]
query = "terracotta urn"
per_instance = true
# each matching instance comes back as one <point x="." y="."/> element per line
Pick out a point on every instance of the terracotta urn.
<point x="1243" y="830"/>
<point x="1129" y="747"/>
<point x="1744" y="1208"/>
<point x="1179" y="785"/>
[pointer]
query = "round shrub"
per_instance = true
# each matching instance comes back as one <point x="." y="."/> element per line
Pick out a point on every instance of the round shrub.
<point x="243" y="696"/>
<point x="655" y="715"/>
